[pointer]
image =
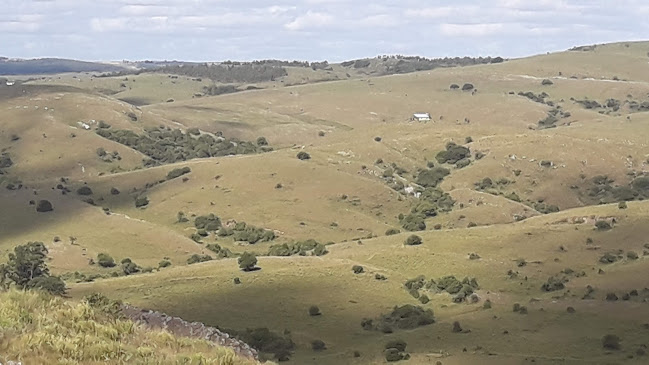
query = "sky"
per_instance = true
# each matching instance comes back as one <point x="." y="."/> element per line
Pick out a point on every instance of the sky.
<point x="311" y="30"/>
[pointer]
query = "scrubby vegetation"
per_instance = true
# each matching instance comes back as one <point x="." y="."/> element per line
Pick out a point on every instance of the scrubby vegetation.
<point x="39" y="329"/>
<point x="233" y="72"/>
<point x="26" y="269"/>
<point x="405" y="317"/>
<point x="302" y="248"/>
<point x="178" y="172"/>
<point x="163" y="145"/>
<point x="461" y="290"/>
<point x="267" y="342"/>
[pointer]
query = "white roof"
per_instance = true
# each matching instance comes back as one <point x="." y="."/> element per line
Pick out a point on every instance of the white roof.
<point x="421" y="115"/>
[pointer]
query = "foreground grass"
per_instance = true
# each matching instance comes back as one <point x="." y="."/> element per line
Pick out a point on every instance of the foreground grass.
<point x="39" y="329"/>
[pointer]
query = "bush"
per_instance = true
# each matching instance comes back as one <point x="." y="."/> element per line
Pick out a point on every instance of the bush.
<point x="413" y="222"/>
<point x="453" y="153"/>
<point x="5" y="161"/>
<point x="631" y="255"/>
<point x="262" y="141"/>
<point x="380" y="277"/>
<point x="608" y="258"/>
<point x="393" y="355"/>
<point x="462" y="163"/>
<point x="456" y="327"/>
<point x="432" y="177"/>
<point x="266" y="341"/>
<point x="547" y="82"/>
<point x="44" y="206"/>
<point x="129" y="267"/>
<point x="247" y="261"/>
<point x="611" y="342"/>
<point x="314" y="311"/>
<point x="392" y="231"/>
<point x="208" y="222"/>
<point x="554" y="283"/>
<point x="603" y="226"/>
<point x="196" y="258"/>
<point x="164" y="263"/>
<point x="487" y="304"/>
<point x="318" y="345"/>
<point x="357" y="269"/>
<point x="413" y="240"/>
<point x="321" y="133"/>
<point x="105" y="260"/>
<point x="114" y="191"/>
<point x="454" y="86"/>
<point x="84" y="190"/>
<point x="303" y="156"/>
<point x="141" y="201"/>
<point x="51" y="284"/>
<point x="467" y="87"/>
<point x="423" y="299"/>
<point x="178" y="172"/>
<point x="398" y="344"/>
<point x="622" y="205"/>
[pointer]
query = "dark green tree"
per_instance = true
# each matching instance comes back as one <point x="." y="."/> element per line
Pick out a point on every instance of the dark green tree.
<point x="247" y="261"/>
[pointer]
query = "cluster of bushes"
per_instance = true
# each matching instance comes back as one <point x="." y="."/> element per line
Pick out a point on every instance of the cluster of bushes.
<point x="302" y="248"/>
<point x="178" y="172"/>
<point x="267" y="342"/>
<point x="398" y="64"/>
<point x="600" y="190"/>
<point x="454" y="154"/>
<point x="5" y="160"/>
<point x="164" y="145"/>
<point x="450" y="284"/>
<point x="228" y="73"/>
<point x="430" y="178"/>
<point x="405" y="317"/>
<point x="395" y="350"/>
<point x="558" y="281"/>
<point x="540" y="98"/>
<point x="221" y="252"/>
<point x="127" y="265"/>
<point x="196" y="258"/>
<point x="552" y="118"/>
<point x="241" y="231"/>
<point x="26" y="268"/>
<point x="108" y="157"/>
<point x="431" y="201"/>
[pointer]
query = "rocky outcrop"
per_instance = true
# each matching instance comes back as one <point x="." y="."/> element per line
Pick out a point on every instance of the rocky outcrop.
<point x="180" y="327"/>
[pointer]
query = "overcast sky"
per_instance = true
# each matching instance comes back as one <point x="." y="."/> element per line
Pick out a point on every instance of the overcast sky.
<point x="336" y="30"/>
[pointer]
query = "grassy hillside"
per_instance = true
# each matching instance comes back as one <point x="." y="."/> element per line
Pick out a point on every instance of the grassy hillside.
<point x="548" y="147"/>
<point x="36" y="328"/>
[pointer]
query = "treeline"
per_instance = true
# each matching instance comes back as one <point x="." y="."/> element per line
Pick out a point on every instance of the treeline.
<point x="228" y="73"/>
<point x="397" y="64"/>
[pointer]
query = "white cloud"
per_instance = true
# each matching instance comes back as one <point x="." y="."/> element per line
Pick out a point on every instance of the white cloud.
<point x="310" y="20"/>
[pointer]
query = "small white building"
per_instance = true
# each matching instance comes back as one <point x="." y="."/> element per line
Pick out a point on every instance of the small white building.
<point x="421" y="117"/>
<point x="10" y="83"/>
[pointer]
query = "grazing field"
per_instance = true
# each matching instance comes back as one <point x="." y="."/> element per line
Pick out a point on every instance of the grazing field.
<point x="533" y="180"/>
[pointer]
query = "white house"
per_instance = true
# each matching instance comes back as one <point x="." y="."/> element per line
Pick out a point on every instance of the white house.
<point x="10" y="83"/>
<point x="421" y="117"/>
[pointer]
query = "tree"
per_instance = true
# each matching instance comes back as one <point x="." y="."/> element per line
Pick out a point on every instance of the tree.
<point x="26" y="263"/>
<point x="27" y="269"/>
<point x="44" y="206"/>
<point x="247" y="261"/>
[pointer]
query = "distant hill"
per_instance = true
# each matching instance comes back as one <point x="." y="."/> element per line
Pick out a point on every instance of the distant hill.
<point x="52" y="66"/>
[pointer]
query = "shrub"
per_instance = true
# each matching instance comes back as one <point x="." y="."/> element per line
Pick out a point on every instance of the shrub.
<point x="622" y="205"/>
<point x="321" y="133"/>
<point x="467" y="87"/>
<point x="129" y="267"/>
<point x="456" y="327"/>
<point x="398" y="344"/>
<point x="631" y="255"/>
<point x="432" y="177"/>
<point x="84" y="190"/>
<point x="303" y="156"/>
<point x="554" y="283"/>
<point x="101" y="152"/>
<point x="423" y="299"/>
<point x="114" y="191"/>
<point x="611" y="342"/>
<point x="454" y="86"/>
<point x="380" y="277"/>
<point x="314" y="311"/>
<point x="357" y="269"/>
<point x="413" y="240"/>
<point x="27" y="269"/>
<point x="208" y="222"/>
<point x="453" y="153"/>
<point x="320" y="250"/>
<point x="468" y="140"/>
<point x="389" y="172"/>
<point x="196" y="258"/>
<point x="5" y="161"/>
<point x="105" y="260"/>
<point x="247" y="261"/>
<point x="392" y="231"/>
<point x="393" y="355"/>
<point x="487" y="304"/>
<point x="266" y="341"/>
<point x="318" y="345"/>
<point x="608" y="258"/>
<point x="178" y="172"/>
<point x="413" y="222"/>
<point x="164" y="263"/>
<point x="141" y="201"/>
<point x="44" y="206"/>
<point x="547" y="82"/>
<point x="602" y="225"/>
<point x="463" y="163"/>
<point x="377" y="139"/>
<point x="262" y="141"/>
